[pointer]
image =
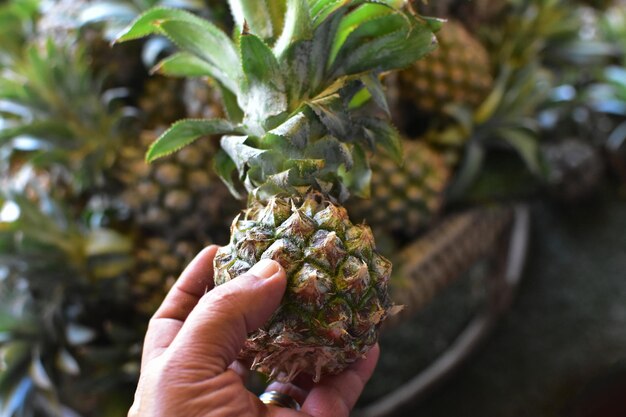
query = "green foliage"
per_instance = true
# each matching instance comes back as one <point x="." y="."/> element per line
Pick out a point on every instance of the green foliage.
<point x="46" y="256"/>
<point x="16" y="20"/>
<point x="306" y="76"/>
<point x="50" y="97"/>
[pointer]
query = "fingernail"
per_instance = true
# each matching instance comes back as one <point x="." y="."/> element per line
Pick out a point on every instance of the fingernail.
<point x="265" y="268"/>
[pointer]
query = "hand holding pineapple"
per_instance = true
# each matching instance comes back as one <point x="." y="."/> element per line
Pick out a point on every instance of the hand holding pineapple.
<point x="189" y="366"/>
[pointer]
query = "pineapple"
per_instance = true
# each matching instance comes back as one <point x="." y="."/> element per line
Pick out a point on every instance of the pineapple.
<point x="161" y="102"/>
<point x="297" y="138"/>
<point x="177" y="196"/>
<point x="458" y="72"/>
<point x="158" y="262"/>
<point x="337" y="295"/>
<point x="405" y="199"/>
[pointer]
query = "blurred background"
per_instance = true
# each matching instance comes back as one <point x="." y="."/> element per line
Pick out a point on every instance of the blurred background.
<point x="505" y="222"/>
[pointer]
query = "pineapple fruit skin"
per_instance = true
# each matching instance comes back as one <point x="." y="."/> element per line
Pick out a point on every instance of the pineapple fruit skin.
<point x="458" y="71"/>
<point x="404" y="198"/>
<point x="337" y="295"/>
<point x="178" y="196"/>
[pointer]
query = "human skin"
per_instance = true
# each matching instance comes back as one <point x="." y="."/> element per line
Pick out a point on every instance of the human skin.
<point x="189" y="365"/>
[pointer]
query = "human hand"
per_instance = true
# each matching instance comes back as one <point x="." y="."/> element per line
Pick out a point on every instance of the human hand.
<point x="189" y="365"/>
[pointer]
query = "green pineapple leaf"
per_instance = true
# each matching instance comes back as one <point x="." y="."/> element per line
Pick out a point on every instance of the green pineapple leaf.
<point x="192" y="34"/>
<point x="332" y="151"/>
<point x="353" y="20"/>
<point x="209" y="43"/>
<point x="376" y="90"/>
<point x="186" y="131"/>
<point x="298" y="26"/>
<point x="231" y="106"/>
<point x="239" y="152"/>
<point x="225" y="168"/>
<point x="184" y="64"/>
<point x="389" y="42"/>
<point x="384" y="134"/>
<point x="296" y="131"/>
<point x="263" y="88"/>
<point x="358" y="177"/>
<point x="146" y="24"/>
<point x="334" y="116"/>
<point x="256" y="15"/>
<point x="525" y="144"/>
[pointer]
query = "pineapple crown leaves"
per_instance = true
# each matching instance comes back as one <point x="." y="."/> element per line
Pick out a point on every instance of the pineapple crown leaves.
<point x="37" y="337"/>
<point x="506" y="118"/>
<point x="295" y="98"/>
<point x="112" y="16"/>
<point x="16" y="21"/>
<point x="46" y="231"/>
<point x="51" y="98"/>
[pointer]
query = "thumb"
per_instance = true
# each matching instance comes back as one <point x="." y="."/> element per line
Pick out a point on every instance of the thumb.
<point x="216" y="329"/>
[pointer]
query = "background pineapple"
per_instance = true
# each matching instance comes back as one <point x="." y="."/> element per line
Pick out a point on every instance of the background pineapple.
<point x="298" y="130"/>
<point x="458" y="73"/>
<point x="83" y="150"/>
<point x="404" y="199"/>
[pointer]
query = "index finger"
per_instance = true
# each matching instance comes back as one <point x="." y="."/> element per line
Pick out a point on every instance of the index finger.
<point x="193" y="283"/>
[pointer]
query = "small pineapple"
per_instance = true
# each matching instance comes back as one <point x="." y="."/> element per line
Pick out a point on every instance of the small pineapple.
<point x="405" y="199"/>
<point x="337" y="295"/>
<point x="298" y="142"/>
<point x="458" y="72"/>
<point x="178" y="196"/>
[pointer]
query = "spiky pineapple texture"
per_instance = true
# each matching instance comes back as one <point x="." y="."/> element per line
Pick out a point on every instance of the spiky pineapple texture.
<point x="178" y="196"/>
<point x="337" y="292"/>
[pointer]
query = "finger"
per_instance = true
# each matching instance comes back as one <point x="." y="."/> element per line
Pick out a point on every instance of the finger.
<point x="195" y="281"/>
<point x="181" y="299"/>
<point x="240" y="369"/>
<point x="159" y="336"/>
<point x="335" y="396"/>
<point x="298" y="389"/>
<point x="292" y="390"/>
<point x="216" y="329"/>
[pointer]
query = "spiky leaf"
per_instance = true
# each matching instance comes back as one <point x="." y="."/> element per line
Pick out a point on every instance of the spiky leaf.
<point x="255" y="14"/>
<point x="385" y="135"/>
<point x="298" y="26"/>
<point x="192" y="34"/>
<point x="184" y="64"/>
<point x="263" y="88"/>
<point x="184" y="132"/>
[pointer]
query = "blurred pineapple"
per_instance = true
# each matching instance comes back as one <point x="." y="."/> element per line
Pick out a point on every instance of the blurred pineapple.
<point x="404" y="199"/>
<point x="457" y="73"/>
